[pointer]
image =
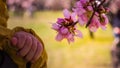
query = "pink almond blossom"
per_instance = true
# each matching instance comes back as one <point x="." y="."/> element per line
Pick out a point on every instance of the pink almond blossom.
<point x="104" y="22"/>
<point x="95" y="24"/>
<point x="83" y="11"/>
<point x="66" y="28"/>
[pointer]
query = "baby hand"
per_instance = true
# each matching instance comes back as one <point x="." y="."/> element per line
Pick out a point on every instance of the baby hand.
<point x="29" y="47"/>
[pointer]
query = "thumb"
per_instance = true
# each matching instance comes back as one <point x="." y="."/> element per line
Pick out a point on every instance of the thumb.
<point x="14" y="41"/>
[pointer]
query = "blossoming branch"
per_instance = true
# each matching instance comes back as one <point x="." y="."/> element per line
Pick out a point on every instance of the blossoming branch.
<point x="89" y="13"/>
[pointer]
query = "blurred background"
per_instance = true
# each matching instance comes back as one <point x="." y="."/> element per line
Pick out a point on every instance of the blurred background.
<point x="83" y="53"/>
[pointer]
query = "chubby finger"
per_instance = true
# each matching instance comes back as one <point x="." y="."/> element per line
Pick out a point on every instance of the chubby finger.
<point x="27" y="46"/>
<point x="21" y="37"/>
<point x="32" y="51"/>
<point x="38" y="52"/>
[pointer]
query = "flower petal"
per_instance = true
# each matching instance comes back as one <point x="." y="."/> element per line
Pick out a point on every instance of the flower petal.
<point x="83" y="1"/>
<point x="79" y="33"/>
<point x="81" y="22"/>
<point x="59" y="37"/>
<point x="73" y="16"/>
<point x="78" y="4"/>
<point x="64" y="30"/>
<point x="95" y="24"/>
<point x="55" y="26"/>
<point x="90" y="8"/>
<point x="70" y="38"/>
<point x="105" y="20"/>
<point x="93" y="28"/>
<point x="66" y="13"/>
<point x="60" y="20"/>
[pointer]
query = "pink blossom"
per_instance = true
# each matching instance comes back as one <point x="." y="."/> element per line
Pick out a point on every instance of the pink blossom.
<point x="66" y="28"/>
<point x="104" y="22"/>
<point x="95" y="23"/>
<point x="83" y="11"/>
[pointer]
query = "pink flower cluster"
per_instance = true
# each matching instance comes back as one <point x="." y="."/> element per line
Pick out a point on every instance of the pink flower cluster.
<point x="85" y="12"/>
<point x="66" y="27"/>
<point x="92" y="13"/>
